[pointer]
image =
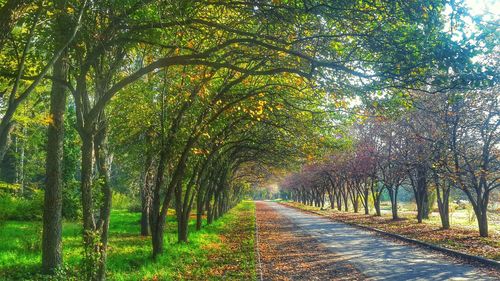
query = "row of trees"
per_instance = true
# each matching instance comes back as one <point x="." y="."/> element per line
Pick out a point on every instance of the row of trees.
<point x="442" y="143"/>
<point x="186" y="101"/>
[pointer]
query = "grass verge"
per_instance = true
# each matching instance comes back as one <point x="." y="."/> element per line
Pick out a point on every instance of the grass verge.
<point x="222" y="250"/>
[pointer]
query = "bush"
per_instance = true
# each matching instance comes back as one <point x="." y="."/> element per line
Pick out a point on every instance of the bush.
<point x="72" y="204"/>
<point x="6" y="207"/>
<point x="16" y="208"/>
<point x="121" y="201"/>
<point x="10" y="188"/>
<point x="135" y="206"/>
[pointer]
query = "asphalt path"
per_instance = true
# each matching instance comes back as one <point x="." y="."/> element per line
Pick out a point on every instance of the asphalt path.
<point x="378" y="257"/>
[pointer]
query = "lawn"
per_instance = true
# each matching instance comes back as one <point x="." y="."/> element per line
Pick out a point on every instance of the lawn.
<point x="463" y="235"/>
<point x="462" y="218"/>
<point x="224" y="249"/>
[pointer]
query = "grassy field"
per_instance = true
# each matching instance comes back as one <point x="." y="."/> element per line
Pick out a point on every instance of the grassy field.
<point x="463" y="235"/>
<point x="462" y="218"/>
<point x="224" y="249"/>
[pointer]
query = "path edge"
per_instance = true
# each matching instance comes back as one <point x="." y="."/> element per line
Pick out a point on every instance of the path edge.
<point x="257" y="251"/>
<point x="483" y="261"/>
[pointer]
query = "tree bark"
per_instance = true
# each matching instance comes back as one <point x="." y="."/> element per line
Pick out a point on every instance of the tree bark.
<point x="393" y="194"/>
<point x="420" y="190"/>
<point x="146" y="196"/>
<point x="443" y="201"/>
<point x="199" y="214"/>
<point x="481" y="209"/>
<point x="5" y="131"/>
<point x="156" y="223"/>
<point x="103" y="168"/>
<point x="157" y="237"/>
<point x="376" y="198"/>
<point x="365" y="201"/>
<point x="86" y="180"/>
<point x="482" y="220"/>
<point x="52" y="210"/>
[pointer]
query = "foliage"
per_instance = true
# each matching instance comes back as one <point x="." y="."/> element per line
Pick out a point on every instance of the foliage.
<point x="122" y="201"/>
<point x="188" y="105"/>
<point x="72" y="206"/>
<point x="19" y="208"/>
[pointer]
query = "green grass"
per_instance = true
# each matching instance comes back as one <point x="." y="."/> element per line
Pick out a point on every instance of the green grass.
<point x="209" y="255"/>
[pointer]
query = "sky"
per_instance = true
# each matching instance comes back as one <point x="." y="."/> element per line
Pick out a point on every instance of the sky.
<point x="486" y="7"/>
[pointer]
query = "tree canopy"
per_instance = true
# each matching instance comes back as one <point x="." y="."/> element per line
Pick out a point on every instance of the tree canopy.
<point x="187" y="105"/>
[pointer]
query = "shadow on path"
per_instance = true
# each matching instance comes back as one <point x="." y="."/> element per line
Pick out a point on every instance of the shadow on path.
<point x="377" y="257"/>
<point x="288" y="254"/>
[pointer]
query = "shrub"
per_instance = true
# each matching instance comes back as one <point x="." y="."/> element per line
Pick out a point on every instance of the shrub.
<point x="9" y="188"/>
<point x="135" y="206"/>
<point x="18" y="208"/>
<point x="7" y="207"/>
<point x="121" y="201"/>
<point x="31" y="209"/>
<point x="72" y="204"/>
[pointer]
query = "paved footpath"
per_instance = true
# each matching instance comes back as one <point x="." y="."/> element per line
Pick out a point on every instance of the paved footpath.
<point x="377" y="257"/>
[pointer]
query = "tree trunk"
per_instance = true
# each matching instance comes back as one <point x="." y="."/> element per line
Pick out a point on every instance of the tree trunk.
<point x="426" y="209"/>
<point x="103" y="168"/>
<point x="199" y="218"/>
<point x="443" y="202"/>
<point x="155" y="222"/>
<point x="182" y="220"/>
<point x="182" y="229"/>
<point x="376" y="198"/>
<point x="199" y="206"/>
<point x="86" y="183"/>
<point x="376" y="204"/>
<point x="215" y="207"/>
<point x="346" y="201"/>
<point x="332" y="200"/>
<point x="482" y="221"/>
<point x="210" y="214"/>
<point x="144" y="218"/>
<point x="52" y="216"/>
<point x="146" y="196"/>
<point x="339" y="202"/>
<point x="355" y="201"/>
<point x="365" y="201"/>
<point x="393" y="194"/>
<point x="421" y="193"/>
<point x="6" y="128"/>
<point x="90" y="235"/>
<point x="21" y="162"/>
<point x="480" y="209"/>
<point x="444" y="214"/>
<point x="157" y="237"/>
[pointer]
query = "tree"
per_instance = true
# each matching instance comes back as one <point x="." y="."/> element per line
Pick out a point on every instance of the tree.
<point x="19" y="90"/>
<point x="52" y="213"/>
<point x="206" y="78"/>
<point x="474" y="133"/>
